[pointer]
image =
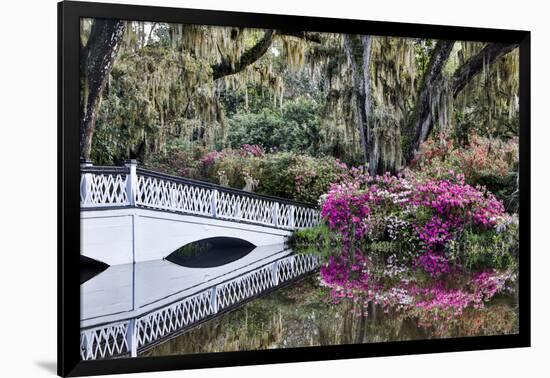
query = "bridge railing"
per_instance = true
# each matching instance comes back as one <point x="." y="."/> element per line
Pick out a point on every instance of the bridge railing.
<point x="103" y="186"/>
<point x="133" y="186"/>
<point x="127" y="337"/>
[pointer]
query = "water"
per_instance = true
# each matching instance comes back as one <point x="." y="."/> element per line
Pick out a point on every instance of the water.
<point x="301" y="316"/>
<point x="298" y="315"/>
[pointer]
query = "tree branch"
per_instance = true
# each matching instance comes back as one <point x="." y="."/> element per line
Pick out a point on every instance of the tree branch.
<point x="474" y="65"/>
<point x="310" y="37"/>
<point x="257" y="51"/>
<point x="247" y="58"/>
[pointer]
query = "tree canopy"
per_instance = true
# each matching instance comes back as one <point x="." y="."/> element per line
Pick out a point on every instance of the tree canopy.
<point x="362" y="99"/>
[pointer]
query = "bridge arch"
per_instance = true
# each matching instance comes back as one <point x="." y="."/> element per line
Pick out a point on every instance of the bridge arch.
<point x="211" y="252"/>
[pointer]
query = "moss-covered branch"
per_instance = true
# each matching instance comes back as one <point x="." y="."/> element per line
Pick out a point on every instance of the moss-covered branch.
<point x="475" y="64"/>
<point x="247" y="58"/>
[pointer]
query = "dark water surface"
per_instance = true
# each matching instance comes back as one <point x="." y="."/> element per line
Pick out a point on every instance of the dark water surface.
<point x="300" y="316"/>
<point x="211" y="252"/>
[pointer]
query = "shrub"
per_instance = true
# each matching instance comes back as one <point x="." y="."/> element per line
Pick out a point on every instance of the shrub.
<point x="294" y="128"/>
<point x="425" y="213"/>
<point x="183" y="162"/>
<point x="282" y="174"/>
<point x="488" y="162"/>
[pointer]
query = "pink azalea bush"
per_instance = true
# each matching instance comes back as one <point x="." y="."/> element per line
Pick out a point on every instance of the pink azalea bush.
<point x="432" y="213"/>
<point x="481" y="157"/>
<point x="449" y="206"/>
<point x="252" y="150"/>
<point x="347" y="209"/>
<point x="490" y="162"/>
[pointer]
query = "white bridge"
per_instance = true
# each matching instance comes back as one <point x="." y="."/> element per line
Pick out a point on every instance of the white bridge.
<point x="132" y="218"/>
<point x="129" y="214"/>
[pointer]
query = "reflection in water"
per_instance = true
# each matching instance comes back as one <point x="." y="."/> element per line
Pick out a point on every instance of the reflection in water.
<point x="89" y="268"/>
<point x="300" y="316"/>
<point x="211" y="252"/>
<point x="130" y="290"/>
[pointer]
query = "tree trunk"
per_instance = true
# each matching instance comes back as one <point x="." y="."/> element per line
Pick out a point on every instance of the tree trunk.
<point x="423" y="113"/>
<point x="373" y="151"/>
<point x="96" y="62"/>
<point x="359" y="89"/>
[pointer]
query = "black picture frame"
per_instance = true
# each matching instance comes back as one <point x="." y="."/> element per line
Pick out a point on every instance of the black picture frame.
<point x="69" y="14"/>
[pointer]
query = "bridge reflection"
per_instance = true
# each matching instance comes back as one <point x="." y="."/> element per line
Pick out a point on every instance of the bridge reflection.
<point x="132" y="307"/>
<point x="128" y="290"/>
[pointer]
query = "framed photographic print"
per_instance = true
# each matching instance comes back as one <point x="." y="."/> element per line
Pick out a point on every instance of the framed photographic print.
<point x="239" y="188"/>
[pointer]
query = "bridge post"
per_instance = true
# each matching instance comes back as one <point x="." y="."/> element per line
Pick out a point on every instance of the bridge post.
<point x="238" y="204"/>
<point x="275" y="214"/>
<point x="131" y="338"/>
<point x="275" y="273"/>
<point x="292" y="223"/>
<point x="131" y="181"/>
<point x="86" y="184"/>
<point x="214" y="202"/>
<point x="214" y="299"/>
<point x="89" y="355"/>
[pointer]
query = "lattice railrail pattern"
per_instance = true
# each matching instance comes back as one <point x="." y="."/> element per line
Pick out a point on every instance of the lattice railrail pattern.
<point x="132" y="186"/>
<point x="127" y="337"/>
<point x="98" y="189"/>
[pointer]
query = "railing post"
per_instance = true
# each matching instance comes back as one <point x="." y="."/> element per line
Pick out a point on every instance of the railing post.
<point x="131" y="181"/>
<point x="86" y="184"/>
<point x="275" y="273"/>
<point x="131" y="338"/>
<point x="238" y="209"/>
<point x="214" y="300"/>
<point x="291" y="223"/>
<point x="89" y="354"/>
<point x="173" y="196"/>
<point x="214" y="203"/>
<point x="275" y="214"/>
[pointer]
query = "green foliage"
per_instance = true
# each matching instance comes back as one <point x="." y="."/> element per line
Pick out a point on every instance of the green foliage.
<point x="262" y="129"/>
<point x="144" y="99"/>
<point x="190" y="250"/>
<point x="308" y="177"/>
<point x="491" y="249"/>
<point x="422" y="52"/>
<point x="320" y="237"/>
<point x="384" y="247"/>
<point x="181" y="159"/>
<point x="296" y="128"/>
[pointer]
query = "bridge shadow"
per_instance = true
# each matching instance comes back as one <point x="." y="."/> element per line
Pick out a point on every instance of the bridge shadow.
<point x="211" y="252"/>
